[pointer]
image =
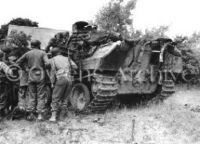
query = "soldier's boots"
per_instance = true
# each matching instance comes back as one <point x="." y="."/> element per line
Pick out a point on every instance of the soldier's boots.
<point x="63" y="114"/>
<point x="40" y="117"/>
<point x="21" y="108"/>
<point x="53" y="117"/>
<point x="2" y="114"/>
<point x="31" y="116"/>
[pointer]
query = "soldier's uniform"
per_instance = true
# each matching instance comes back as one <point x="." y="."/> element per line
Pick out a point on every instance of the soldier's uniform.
<point x="23" y="82"/>
<point x="60" y="71"/>
<point x="22" y="94"/>
<point x="36" y="61"/>
<point x="3" y="86"/>
<point x="59" y="40"/>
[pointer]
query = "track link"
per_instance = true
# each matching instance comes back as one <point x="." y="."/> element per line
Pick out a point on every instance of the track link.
<point x="105" y="91"/>
<point x="167" y="89"/>
<point x="164" y="91"/>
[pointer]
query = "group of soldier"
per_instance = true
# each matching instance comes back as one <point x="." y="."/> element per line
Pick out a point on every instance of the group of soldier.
<point x="46" y="81"/>
<point x="43" y="83"/>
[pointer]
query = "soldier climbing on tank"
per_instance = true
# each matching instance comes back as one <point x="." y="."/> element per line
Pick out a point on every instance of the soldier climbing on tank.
<point x="61" y="67"/>
<point x="59" y="40"/>
<point x="4" y="69"/>
<point x="86" y="39"/>
<point x="36" y="61"/>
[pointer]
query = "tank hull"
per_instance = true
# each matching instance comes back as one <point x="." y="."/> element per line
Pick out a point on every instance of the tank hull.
<point x="109" y="57"/>
<point x="149" y="70"/>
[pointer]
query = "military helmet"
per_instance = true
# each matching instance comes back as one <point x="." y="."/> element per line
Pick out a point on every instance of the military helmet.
<point x="66" y="34"/>
<point x="59" y="35"/>
<point x="35" y="43"/>
<point x="55" y="51"/>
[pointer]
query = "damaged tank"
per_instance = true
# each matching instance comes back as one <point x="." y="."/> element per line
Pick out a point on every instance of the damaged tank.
<point x="150" y="69"/>
<point x="109" y="66"/>
<point x="99" y="56"/>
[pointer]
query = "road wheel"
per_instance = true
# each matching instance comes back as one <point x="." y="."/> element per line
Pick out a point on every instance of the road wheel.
<point x="79" y="97"/>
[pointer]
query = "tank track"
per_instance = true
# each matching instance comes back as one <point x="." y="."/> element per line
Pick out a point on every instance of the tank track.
<point x="164" y="91"/>
<point x="104" y="90"/>
<point x="168" y="88"/>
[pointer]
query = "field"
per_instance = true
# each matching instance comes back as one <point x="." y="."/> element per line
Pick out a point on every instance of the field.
<point x="176" y="121"/>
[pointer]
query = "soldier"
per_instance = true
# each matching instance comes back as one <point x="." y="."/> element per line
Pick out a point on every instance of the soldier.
<point x="19" y="98"/>
<point x="36" y="61"/>
<point x="59" y="40"/>
<point x="61" y="78"/>
<point x="3" y="87"/>
<point x="23" y="87"/>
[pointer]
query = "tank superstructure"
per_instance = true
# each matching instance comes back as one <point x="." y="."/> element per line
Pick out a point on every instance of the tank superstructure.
<point x="99" y="56"/>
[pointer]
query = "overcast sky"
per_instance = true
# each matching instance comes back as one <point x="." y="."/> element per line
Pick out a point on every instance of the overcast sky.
<point x="181" y="15"/>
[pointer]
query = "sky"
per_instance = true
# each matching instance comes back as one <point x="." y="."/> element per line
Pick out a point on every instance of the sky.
<point x="181" y="15"/>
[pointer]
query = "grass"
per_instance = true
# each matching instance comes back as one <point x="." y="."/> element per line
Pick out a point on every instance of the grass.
<point x="167" y="123"/>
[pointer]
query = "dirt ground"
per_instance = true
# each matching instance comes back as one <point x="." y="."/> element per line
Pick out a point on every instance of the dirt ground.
<point x="176" y="121"/>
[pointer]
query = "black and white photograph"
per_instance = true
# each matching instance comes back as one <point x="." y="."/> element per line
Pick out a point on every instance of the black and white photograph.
<point x="99" y="72"/>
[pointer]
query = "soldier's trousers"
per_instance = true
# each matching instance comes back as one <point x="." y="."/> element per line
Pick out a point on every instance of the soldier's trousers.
<point x="12" y="99"/>
<point x="36" y="97"/>
<point x="3" y="96"/>
<point x="22" y="96"/>
<point x="60" y="94"/>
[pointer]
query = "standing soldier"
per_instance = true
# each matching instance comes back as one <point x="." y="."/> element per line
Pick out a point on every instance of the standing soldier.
<point x="61" y="79"/>
<point x="3" y="87"/>
<point x="36" y="61"/>
<point x="23" y="87"/>
<point x="23" y="80"/>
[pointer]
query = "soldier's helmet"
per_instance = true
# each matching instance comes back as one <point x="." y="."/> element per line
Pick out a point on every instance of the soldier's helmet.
<point x="66" y="34"/>
<point x="55" y="51"/>
<point x="79" y="26"/>
<point x="59" y="35"/>
<point x="35" y="44"/>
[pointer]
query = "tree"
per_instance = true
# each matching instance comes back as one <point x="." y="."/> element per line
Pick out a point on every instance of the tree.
<point x="149" y="34"/>
<point x="18" y="39"/>
<point x="16" y="21"/>
<point x="17" y="43"/>
<point x="189" y="43"/>
<point x="190" y="49"/>
<point x="155" y="33"/>
<point x="116" y="16"/>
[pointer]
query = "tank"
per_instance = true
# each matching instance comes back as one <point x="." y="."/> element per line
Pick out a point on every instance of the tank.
<point x="99" y="59"/>
<point x="150" y="68"/>
<point x="110" y="66"/>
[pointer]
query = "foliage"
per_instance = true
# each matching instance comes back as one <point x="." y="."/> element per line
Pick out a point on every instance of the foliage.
<point x="150" y="34"/>
<point x="189" y="45"/>
<point x="16" y="21"/>
<point x="17" y="44"/>
<point x="116" y="16"/>
<point x="155" y="33"/>
<point x="18" y="39"/>
<point x="189" y="42"/>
